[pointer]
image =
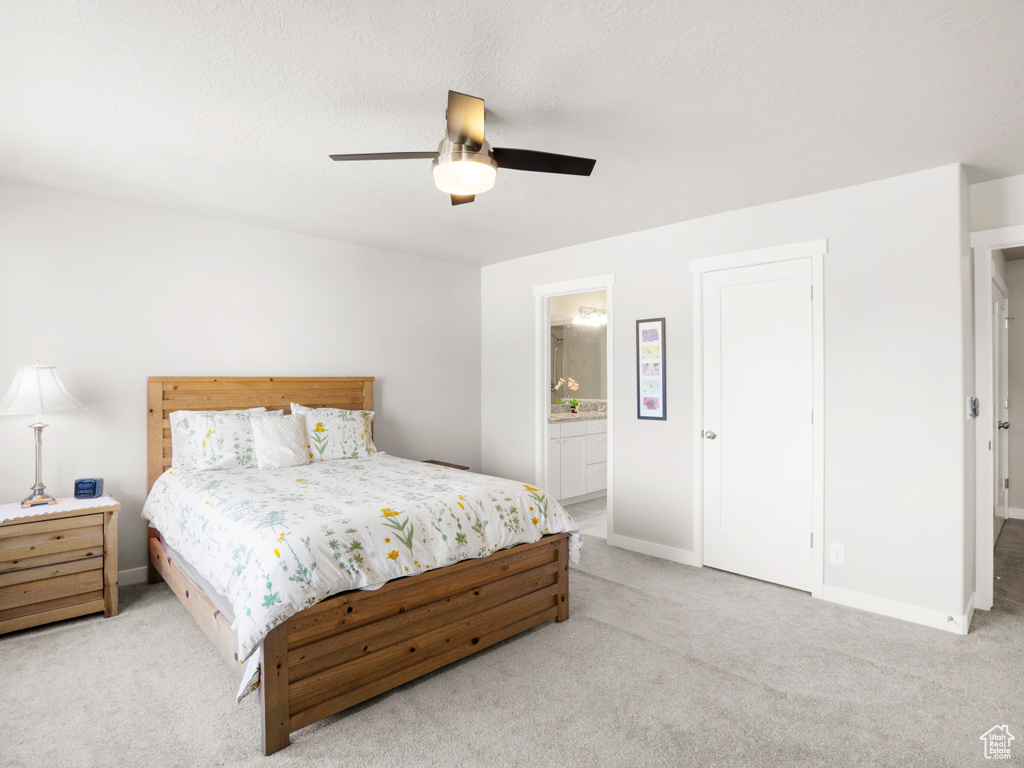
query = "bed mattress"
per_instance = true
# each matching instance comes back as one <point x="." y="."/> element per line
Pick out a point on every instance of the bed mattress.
<point x="274" y="542"/>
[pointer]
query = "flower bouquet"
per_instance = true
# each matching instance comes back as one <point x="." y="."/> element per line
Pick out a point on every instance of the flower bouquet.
<point x="570" y="383"/>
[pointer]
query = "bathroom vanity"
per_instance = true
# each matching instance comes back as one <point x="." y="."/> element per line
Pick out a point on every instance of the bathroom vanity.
<point x="577" y="456"/>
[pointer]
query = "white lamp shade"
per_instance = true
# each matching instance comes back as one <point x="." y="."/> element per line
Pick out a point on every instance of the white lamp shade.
<point x="37" y="389"/>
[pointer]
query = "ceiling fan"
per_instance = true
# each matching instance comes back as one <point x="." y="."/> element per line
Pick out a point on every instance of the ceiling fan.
<point x="466" y="165"/>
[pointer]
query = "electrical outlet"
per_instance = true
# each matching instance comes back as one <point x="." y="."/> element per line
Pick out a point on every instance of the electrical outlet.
<point x="837" y="554"/>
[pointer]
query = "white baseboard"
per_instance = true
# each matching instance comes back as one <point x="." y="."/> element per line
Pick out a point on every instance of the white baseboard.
<point x="1016" y="514"/>
<point x="684" y="556"/>
<point x="916" y="614"/>
<point x="585" y="497"/>
<point x="133" y="576"/>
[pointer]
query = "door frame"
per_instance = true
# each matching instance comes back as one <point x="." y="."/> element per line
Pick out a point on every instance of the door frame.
<point x="815" y="250"/>
<point x="542" y="376"/>
<point x="998" y="284"/>
<point x="984" y="243"/>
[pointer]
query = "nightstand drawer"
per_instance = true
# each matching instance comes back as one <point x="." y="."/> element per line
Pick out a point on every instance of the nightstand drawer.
<point x="23" y="575"/>
<point x="48" y="542"/>
<point x="70" y="585"/>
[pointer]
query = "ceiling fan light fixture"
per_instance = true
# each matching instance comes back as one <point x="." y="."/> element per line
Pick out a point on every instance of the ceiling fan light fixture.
<point x="462" y="171"/>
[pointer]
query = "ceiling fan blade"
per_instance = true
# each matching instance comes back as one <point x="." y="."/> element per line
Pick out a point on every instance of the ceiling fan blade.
<point x="387" y="156"/>
<point x="460" y="199"/>
<point x="465" y="119"/>
<point x="542" y="162"/>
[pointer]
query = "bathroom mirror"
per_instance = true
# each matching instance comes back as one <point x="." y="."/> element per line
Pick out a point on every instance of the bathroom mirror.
<point x="578" y="346"/>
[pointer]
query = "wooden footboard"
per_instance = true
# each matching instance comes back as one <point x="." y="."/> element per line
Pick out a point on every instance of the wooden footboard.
<point x="359" y="644"/>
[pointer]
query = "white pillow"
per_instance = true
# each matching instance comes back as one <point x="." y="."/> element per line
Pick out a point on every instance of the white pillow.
<point x="336" y="433"/>
<point x="191" y="431"/>
<point x="280" y="440"/>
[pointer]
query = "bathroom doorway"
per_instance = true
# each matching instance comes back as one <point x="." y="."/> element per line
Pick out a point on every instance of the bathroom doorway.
<point x="574" y="429"/>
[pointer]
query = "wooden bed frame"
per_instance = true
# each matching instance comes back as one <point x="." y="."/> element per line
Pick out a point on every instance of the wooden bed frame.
<point x="357" y="644"/>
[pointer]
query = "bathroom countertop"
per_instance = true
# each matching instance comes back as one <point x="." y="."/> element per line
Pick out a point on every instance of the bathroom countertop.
<point x="558" y="418"/>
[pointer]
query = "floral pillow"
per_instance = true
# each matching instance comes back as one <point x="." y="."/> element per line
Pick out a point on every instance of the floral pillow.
<point x="336" y="433"/>
<point x="212" y="439"/>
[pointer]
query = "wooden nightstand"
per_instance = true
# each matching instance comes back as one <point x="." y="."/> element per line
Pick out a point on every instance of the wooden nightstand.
<point x="57" y="561"/>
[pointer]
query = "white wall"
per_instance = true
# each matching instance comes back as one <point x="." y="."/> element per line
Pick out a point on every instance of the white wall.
<point x="112" y="293"/>
<point x="998" y="203"/>
<point x="894" y="374"/>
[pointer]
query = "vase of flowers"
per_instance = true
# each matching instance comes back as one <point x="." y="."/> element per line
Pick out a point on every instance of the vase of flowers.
<point x="570" y="383"/>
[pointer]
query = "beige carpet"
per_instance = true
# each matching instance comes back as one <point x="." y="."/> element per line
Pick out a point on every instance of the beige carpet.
<point x="660" y="665"/>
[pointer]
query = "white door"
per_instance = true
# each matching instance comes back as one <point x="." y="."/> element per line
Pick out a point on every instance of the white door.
<point x="1000" y="408"/>
<point x="757" y="421"/>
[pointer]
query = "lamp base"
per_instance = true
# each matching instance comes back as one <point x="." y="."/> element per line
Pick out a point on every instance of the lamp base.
<point x="36" y="498"/>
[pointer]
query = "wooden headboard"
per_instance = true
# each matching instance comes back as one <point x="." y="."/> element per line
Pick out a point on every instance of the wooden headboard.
<point x="221" y="393"/>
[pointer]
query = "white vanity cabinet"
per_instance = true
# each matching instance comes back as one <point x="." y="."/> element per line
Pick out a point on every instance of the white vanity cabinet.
<point x="573" y="444"/>
<point x="577" y="458"/>
<point x="597" y="455"/>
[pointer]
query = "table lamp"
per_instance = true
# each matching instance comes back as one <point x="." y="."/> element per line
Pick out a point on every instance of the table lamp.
<point x="37" y="389"/>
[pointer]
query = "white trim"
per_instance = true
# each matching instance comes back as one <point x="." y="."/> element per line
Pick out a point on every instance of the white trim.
<point x="1003" y="237"/>
<point x="133" y="576"/>
<point x="818" y="428"/>
<point x="927" y="616"/>
<point x="542" y="365"/>
<point x="983" y="493"/>
<point x="760" y="256"/>
<point x="676" y="555"/>
<point x="1016" y="513"/>
<point x="698" y="420"/>
<point x="815" y="250"/>
<point x="1001" y="285"/>
<point x="985" y="276"/>
<point x="595" y="283"/>
<point x="581" y="498"/>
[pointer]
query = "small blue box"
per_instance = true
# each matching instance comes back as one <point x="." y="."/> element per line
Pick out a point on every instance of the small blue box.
<point x="89" y="488"/>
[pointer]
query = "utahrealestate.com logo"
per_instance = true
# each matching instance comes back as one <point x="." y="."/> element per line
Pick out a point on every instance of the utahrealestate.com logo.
<point x="997" y="742"/>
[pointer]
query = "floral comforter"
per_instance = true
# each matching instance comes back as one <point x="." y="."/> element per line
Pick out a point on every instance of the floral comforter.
<point x="275" y="542"/>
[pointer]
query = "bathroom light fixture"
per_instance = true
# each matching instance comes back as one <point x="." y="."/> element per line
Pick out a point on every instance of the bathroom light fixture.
<point x="591" y="316"/>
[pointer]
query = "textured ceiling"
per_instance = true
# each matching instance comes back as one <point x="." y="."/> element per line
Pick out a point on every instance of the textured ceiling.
<point x="691" y="107"/>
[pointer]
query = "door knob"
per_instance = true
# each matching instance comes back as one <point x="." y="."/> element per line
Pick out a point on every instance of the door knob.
<point x="710" y="435"/>
<point x="1004" y="425"/>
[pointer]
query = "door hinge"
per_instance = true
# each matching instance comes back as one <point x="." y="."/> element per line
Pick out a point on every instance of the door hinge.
<point x="812" y="293"/>
<point x="812" y="539"/>
<point x="812" y="415"/>
<point x="1006" y="482"/>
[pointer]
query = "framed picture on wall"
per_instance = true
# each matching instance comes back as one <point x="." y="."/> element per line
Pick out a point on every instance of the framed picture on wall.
<point x="650" y="369"/>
